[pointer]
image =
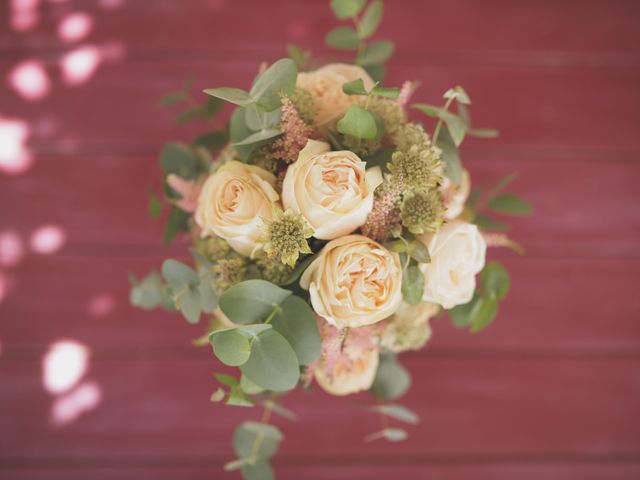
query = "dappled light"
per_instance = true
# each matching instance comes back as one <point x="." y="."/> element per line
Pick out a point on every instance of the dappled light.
<point x="30" y="80"/>
<point x="47" y="239"/>
<point x="75" y="26"/>
<point x="69" y="407"/>
<point x="11" y="249"/>
<point x="64" y="365"/>
<point x="24" y="14"/>
<point x="101" y="305"/>
<point x="79" y="65"/>
<point x="15" y="156"/>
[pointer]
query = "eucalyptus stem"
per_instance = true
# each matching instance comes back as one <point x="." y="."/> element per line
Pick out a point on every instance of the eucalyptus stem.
<point x="275" y="310"/>
<point x="255" y="448"/>
<point x="436" y="132"/>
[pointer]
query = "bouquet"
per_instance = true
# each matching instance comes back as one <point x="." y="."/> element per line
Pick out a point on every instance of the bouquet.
<point x="327" y="229"/>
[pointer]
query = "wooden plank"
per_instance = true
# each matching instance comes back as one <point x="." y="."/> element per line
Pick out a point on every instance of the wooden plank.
<point x="581" y="207"/>
<point x="554" y="108"/>
<point x="556" y="307"/>
<point x="550" y="471"/>
<point x="470" y="408"/>
<point x="597" y="27"/>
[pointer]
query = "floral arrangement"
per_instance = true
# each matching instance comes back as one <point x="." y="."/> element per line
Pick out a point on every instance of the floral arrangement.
<point x="327" y="229"/>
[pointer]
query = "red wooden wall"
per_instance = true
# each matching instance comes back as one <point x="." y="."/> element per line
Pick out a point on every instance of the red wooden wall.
<point x="551" y="390"/>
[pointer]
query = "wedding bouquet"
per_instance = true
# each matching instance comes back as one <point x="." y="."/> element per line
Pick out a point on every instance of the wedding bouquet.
<point x="327" y="229"/>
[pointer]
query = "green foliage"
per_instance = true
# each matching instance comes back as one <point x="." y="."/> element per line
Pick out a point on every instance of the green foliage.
<point x="273" y="364"/>
<point x="392" y="379"/>
<point x="181" y="160"/>
<point x="178" y="221"/>
<point x="483" y="307"/>
<point x="343" y="38"/>
<point x="387" y="92"/>
<point x="495" y="280"/>
<point x="149" y="293"/>
<point x="258" y="138"/>
<point x="356" y="87"/>
<point x="231" y="346"/>
<point x="296" y="322"/>
<point x="509" y="204"/>
<point x="398" y="412"/>
<point x="370" y="20"/>
<point x="183" y="282"/>
<point x="298" y="55"/>
<point x="487" y="223"/>
<point x="154" y="206"/>
<point x="376" y="53"/>
<point x="278" y="78"/>
<point x="358" y="123"/>
<point x="256" y="441"/>
<point x="412" y="285"/>
<point x="237" y="96"/>
<point x="211" y="140"/>
<point x="251" y="301"/>
<point x="344" y="9"/>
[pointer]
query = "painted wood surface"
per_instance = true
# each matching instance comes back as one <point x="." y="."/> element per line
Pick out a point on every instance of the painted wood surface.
<point x="551" y="390"/>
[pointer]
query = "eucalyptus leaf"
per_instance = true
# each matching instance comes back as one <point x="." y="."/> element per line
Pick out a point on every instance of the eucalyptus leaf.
<point x="238" y="131"/>
<point x="458" y="94"/>
<point x="178" y="275"/>
<point x="227" y="380"/>
<point x="249" y="387"/>
<point x="236" y="96"/>
<point x="211" y="140"/>
<point x="358" y="123"/>
<point x="450" y="156"/>
<point x="244" y="439"/>
<point x="189" y="114"/>
<point x="148" y="293"/>
<point x="428" y="110"/>
<point x="257" y="119"/>
<point x="376" y="53"/>
<point x="251" y="301"/>
<point x="419" y="251"/>
<point x="455" y="124"/>
<point x="371" y="18"/>
<point x="398" y="412"/>
<point x="178" y="221"/>
<point x="343" y="38"/>
<point x="389" y="434"/>
<point x="237" y="398"/>
<point x="392" y="379"/>
<point x="231" y="346"/>
<point x="299" y="270"/>
<point x="344" y="9"/>
<point x="278" y="78"/>
<point x="392" y="92"/>
<point x="356" y="87"/>
<point x="259" y="470"/>
<point x="412" y="285"/>
<point x="509" y="204"/>
<point x="461" y="315"/>
<point x="495" y="280"/>
<point x="273" y="364"/>
<point x="188" y="302"/>
<point x="487" y="223"/>
<point x="377" y="72"/>
<point x="483" y="132"/>
<point x="259" y="137"/>
<point x="296" y="322"/>
<point x="171" y="98"/>
<point x="484" y="312"/>
<point x="180" y="160"/>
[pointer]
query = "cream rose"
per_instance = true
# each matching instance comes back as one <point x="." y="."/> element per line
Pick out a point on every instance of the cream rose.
<point x="457" y="254"/>
<point x="354" y="281"/>
<point x="325" y="86"/>
<point x="232" y="203"/>
<point x="332" y="190"/>
<point x="348" y="360"/>
<point x="454" y="196"/>
<point x="408" y="328"/>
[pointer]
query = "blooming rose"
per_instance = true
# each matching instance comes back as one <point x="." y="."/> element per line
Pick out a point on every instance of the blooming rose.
<point x="233" y="202"/>
<point x="454" y="196"/>
<point x="354" y="281"/>
<point x="408" y="328"/>
<point x="332" y="190"/>
<point x="457" y="254"/>
<point x="348" y="359"/>
<point x="325" y="86"/>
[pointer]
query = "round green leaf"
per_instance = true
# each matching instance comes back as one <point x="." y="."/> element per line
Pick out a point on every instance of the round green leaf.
<point x="343" y="38"/>
<point x="249" y="387"/>
<point x="358" y="123"/>
<point x="392" y="379"/>
<point x="296" y="322"/>
<point x="251" y="301"/>
<point x="188" y="302"/>
<point x="260" y="470"/>
<point x="178" y="275"/>
<point x="279" y="77"/>
<point x="245" y="436"/>
<point x="344" y="9"/>
<point x="273" y="364"/>
<point x="232" y="347"/>
<point x="376" y="53"/>
<point x="371" y="19"/>
<point x="495" y="280"/>
<point x="483" y="313"/>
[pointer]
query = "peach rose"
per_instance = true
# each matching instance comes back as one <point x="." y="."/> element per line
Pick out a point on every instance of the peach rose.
<point x="332" y="190"/>
<point x="354" y="281"/>
<point x="232" y="203"/>
<point x="325" y="86"/>
<point x="457" y="254"/>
